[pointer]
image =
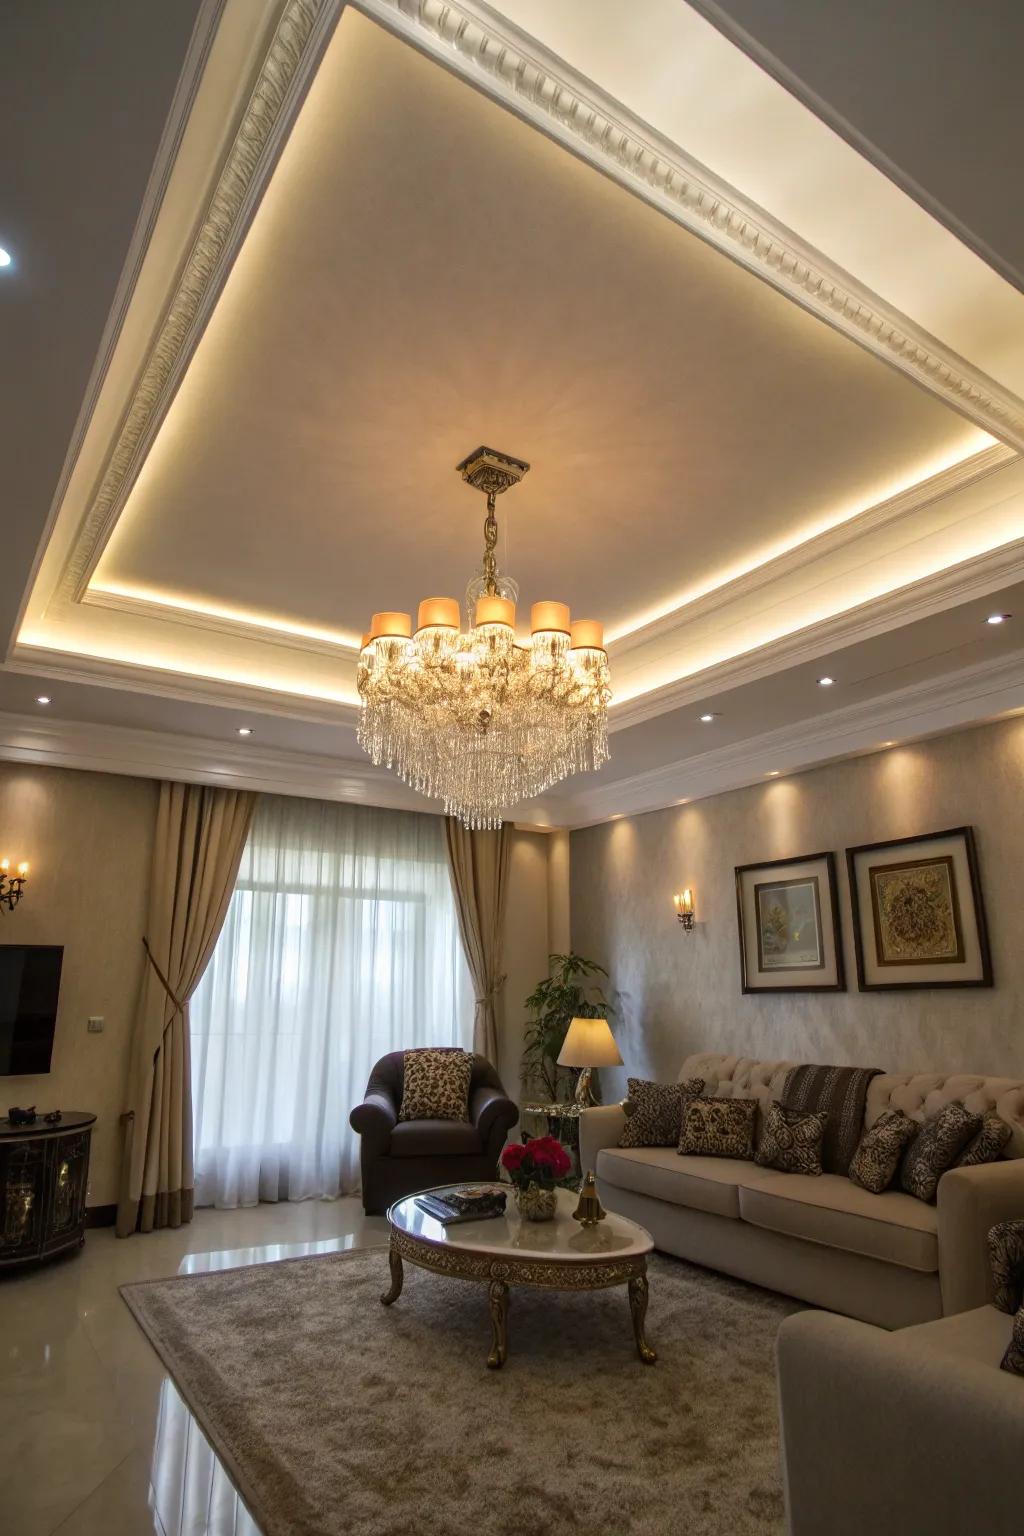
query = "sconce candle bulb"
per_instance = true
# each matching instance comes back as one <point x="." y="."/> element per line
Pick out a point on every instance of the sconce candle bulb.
<point x="11" y="886"/>
<point x="684" y="909"/>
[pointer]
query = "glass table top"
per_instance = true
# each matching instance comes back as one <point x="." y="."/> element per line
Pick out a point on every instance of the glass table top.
<point x="562" y="1238"/>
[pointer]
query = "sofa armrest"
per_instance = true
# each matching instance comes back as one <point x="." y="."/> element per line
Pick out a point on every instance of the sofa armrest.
<point x="492" y="1111"/>
<point x="599" y="1127"/>
<point x="887" y="1431"/>
<point x="971" y="1200"/>
<point x="374" y="1119"/>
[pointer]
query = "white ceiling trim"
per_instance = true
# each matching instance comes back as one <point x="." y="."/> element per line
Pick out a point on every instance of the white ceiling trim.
<point x="524" y="77"/>
<point x="964" y="698"/>
<point x="290" y="636"/>
<point x="945" y="589"/>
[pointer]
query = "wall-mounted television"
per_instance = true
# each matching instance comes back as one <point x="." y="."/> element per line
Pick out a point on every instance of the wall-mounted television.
<point x="29" y="989"/>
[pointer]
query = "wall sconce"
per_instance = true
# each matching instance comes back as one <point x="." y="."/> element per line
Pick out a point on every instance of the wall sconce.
<point x="11" y="886"/>
<point x="684" y="909"/>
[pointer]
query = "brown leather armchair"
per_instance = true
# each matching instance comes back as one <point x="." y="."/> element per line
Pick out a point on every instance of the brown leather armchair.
<point x="400" y="1157"/>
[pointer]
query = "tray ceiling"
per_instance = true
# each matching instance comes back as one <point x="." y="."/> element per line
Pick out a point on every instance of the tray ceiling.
<point x="741" y="459"/>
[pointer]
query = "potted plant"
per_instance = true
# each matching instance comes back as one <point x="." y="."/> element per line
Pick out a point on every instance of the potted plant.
<point x="536" y="1168"/>
<point x="568" y="992"/>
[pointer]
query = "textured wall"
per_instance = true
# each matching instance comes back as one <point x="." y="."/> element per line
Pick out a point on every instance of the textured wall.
<point x="88" y="838"/>
<point x="525" y="956"/>
<point x="680" y="993"/>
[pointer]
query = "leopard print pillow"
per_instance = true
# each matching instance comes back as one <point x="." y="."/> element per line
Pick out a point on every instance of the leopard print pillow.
<point x="718" y="1127"/>
<point x="880" y="1149"/>
<point x="436" y="1085"/>
<point x="654" y="1112"/>
<point x="792" y="1140"/>
<point x="935" y="1148"/>
<point x="1006" y="1256"/>
<point x="1013" y="1360"/>
<point x="988" y="1145"/>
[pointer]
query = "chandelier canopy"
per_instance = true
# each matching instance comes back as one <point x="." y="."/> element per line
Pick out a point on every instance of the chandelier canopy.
<point x="473" y="717"/>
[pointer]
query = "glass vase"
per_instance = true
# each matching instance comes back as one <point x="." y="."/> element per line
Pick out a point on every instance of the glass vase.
<point x="536" y="1204"/>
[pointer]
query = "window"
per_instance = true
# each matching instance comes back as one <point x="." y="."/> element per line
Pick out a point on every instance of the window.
<point x="341" y="943"/>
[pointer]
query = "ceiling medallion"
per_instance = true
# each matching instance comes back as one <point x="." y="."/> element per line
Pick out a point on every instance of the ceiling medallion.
<point x="472" y="717"/>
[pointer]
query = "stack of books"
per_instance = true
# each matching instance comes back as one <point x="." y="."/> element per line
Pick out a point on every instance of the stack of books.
<point x="471" y="1202"/>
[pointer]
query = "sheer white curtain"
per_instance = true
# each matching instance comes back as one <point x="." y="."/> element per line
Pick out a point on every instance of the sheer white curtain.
<point x="341" y="943"/>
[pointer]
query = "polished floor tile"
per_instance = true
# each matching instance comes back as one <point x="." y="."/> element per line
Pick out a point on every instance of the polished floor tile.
<point x="93" y="1434"/>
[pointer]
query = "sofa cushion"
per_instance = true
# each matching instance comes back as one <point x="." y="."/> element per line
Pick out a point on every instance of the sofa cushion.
<point x="654" y="1111"/>
<point x="989" y="1144"/>
<point x="791" y="1140"/>
<point x="718" y="1127"/>
<point x="702" y="1183"/>
<point x="436" y="1084"/>
<point x="877" y="1157"/>
<point x="832" y="1211"/>
<point x="935" y="1148"/>
<point x="435" y="1138"/>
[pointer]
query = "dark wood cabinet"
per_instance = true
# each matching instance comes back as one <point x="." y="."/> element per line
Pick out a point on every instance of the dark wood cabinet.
<point x="44" y="1175"/>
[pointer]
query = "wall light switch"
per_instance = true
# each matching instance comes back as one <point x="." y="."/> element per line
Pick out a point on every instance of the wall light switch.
<point x="95" y="1024"/>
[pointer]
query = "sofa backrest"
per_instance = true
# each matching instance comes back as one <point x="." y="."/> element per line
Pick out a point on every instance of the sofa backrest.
<point x="918" y="1094"/>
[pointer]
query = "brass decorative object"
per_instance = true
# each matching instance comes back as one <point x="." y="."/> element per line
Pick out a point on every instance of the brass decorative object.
<point x="589" y="1211"/>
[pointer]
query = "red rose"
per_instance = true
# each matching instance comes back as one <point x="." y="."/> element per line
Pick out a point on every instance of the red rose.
<point x="512" y="1157"/>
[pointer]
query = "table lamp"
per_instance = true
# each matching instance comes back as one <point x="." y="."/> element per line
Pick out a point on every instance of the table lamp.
<point x="588" y="1043"/>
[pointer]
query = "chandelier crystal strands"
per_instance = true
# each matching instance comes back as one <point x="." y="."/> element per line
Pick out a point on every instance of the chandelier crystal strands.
<point x="472" y="717"/>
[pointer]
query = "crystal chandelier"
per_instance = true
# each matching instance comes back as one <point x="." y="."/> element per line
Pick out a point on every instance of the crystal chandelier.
<point x="472" y="717"/>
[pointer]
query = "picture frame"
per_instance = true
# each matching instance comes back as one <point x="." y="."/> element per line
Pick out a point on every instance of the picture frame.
<point x="918" y="913"/>
<point x="787" y="913"/>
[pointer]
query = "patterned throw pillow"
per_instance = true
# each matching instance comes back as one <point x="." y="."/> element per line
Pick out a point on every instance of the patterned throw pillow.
<point x="935" y="1148"/>
<point x="718" y="1127"/>
<point x="436" y="1085"/>
<point x="1006" y="1256"/>
<point x="1013" y="1360"/>
<point x="880" y="1149"/>
<point x="654" y="1111"/>
<point x="988" y="1145"/>
<point x="792" y="1140"/>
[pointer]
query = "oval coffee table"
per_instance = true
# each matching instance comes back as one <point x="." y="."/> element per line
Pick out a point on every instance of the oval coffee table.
<point x="505" y="1250"/>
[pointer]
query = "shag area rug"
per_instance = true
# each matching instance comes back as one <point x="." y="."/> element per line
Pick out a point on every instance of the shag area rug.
<point x="335" y="1415"/>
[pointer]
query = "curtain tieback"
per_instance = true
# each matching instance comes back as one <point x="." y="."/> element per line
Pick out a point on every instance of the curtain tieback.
<point x="490" y="993"/>
<point x="179" y="1006"/>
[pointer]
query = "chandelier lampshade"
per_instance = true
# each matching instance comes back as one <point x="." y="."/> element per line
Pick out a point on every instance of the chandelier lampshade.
<point x="477" y="718"/>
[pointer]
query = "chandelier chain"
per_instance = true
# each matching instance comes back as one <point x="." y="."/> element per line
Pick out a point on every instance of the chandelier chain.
<point x="490" y="540"/>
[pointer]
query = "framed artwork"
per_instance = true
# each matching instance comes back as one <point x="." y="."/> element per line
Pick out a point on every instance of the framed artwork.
<point x="788" y="915"/>
<point x="918" y="914"/>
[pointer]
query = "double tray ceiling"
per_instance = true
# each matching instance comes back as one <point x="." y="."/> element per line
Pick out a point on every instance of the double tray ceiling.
<point x="715" y="469"/>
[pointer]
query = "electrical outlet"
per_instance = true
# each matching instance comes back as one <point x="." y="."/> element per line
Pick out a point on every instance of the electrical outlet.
<point x="95" y="1025"/>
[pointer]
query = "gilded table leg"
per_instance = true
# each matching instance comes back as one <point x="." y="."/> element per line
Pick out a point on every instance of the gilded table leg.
<point x="497" y="1297"/>
<point x="638" y="1308"/>
<point x="397" y="1276"/>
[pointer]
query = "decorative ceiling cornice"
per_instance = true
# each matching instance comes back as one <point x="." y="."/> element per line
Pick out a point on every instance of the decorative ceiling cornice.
<point x="521" y="75"/>
<point x="294" y="50"/>
<point x="520" y="72"/>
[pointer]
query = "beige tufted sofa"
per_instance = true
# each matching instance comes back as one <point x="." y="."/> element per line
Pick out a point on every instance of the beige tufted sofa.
<point x="887" y="1259"/>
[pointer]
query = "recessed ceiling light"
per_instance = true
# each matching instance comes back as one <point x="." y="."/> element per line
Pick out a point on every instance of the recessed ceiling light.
<point x="998" y="618"/>
<point x="44" y="698"/>
<point x="5" y="257"/>
<point x="245" y="730"/>
<point x="825" y="682"/>
<point x="773" y="773"/>
<point x="707" y="719"/>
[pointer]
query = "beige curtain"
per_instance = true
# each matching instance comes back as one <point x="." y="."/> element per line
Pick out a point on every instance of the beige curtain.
<point x="200" y="836"/>
<point x="478" y="865"/>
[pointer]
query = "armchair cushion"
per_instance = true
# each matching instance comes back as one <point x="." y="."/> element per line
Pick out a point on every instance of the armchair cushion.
<point x="435" y="1138"/>
<point x="435" y="1085"/>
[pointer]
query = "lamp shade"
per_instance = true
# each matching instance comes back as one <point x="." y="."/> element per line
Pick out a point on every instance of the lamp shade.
<point x="589" y="1043"/>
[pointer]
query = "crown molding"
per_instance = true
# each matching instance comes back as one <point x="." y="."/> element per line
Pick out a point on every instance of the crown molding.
<point x="968" y="697"/>
<point x="289" y="64"/>
<point x="521" y="75"/>
<point x="220" y="623"/>
<point x="944" y="589"/>
<point x="546" y="91"/>
<point x="190" y="688"/>
<point x="882" y="514"/>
